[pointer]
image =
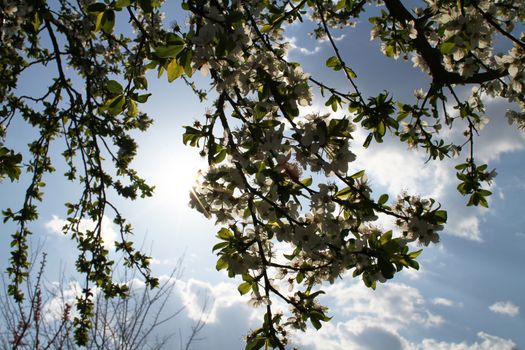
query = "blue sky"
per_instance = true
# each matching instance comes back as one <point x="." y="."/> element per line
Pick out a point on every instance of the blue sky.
<point x="467" y="295"/>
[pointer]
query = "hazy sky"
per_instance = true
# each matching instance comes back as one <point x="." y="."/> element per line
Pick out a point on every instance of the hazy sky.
<point x="468" y="293"/>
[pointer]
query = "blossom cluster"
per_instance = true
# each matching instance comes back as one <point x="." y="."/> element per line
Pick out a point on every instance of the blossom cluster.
<point x="280" y="184"/>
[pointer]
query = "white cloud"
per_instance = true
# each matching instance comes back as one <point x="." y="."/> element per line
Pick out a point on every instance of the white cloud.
<point x="109" y="235"/>
<point x="488" y="342"/>
<point x="442" y="302"/>
<point x="351" y="335"/>
<point x="399" y="169"/>
<point x="356" y="336"/>
<point x="203" y="300"/>
<point x="336" y="38"/>
<point x="493" y="140"/>
<point x="464" y="225"/>
<point x="498" y="137"/>
<point x="414" y="274"/>
<point x="54" y="308"/>
<point x="505" y="308"/>
<point x="392" y="305"/>
<point x="396" y="168"/>
<point x="165" y="262"/>
<point x="292" y="46"/>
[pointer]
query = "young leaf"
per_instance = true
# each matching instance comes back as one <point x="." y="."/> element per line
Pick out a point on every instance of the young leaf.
<point x="107" y="21"/>
<point x="334" y="63"/>
<point x="143" y="98"/>
<point x="350" y="72"/>
<point x="244" y="288"/>
<point x="114" y="87"/>
<point x="96" y="8"/>
<point x="447" y="47"/>
<point x="224" y="234"/>
<point x="174" y="70"/>
<point x="168" y="51"/>
<point x="122" y="3"/>
<point x="383" y="199"/>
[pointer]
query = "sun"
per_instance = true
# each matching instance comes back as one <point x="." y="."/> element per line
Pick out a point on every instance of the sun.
<point x="172" y="169"/>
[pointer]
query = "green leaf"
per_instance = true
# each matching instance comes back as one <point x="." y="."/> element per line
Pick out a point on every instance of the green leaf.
<point x="350" y="72"/>
<point x="368" y="140"/>
<point x="474" y="199"/>
<point x="484" y="193"/>
<point x="461" y="166"/>
<point x="114" y="87"/>
<point x="340" y="5"/>
<point x="334" y="63"/>
<point x="224" y="234"/>
<point x="413" y="264"/>
<point x="133" y="110"/>
<point x="98" y="21"/>
<point x="316" y="323"/>
<point x="219" y="157"/>
<point x="442" y="215"/>
<point x="266" y="28"/>
<point x="320" y="315"/>
<point x="300" y="277"/>
<point x="390" y="51"/>
<point x="386" y="237"/>
<point x="383" y="199"/>
<point x="115" y="105"/>
<point x="247" y="278"/>
<point x="358" y="175"/>
<point x="307" y="181"/>
<point x="381" y="128"/>
<point x="147" y="5"/>
<point x="143" y="98"/>
<point x="174" y="70"/>
<point x="185" y="61"/>
<point x="221" y="264"/>
<point x="36" y="21"/>
<point x="153" y="64"/>
<point x="141" y="82"/>
<point x="256" y="343"/>
<point x="107" y="21"/>
<point x="387" y="268"/>
<point x="244" y="288"/>
<point x="10" y="164"/>
<point x="191" y="136"/>
<point x="345" y="192"/>
<point x="122" y="3"/>
<point x="96" y="8"/>
<point x="415" y="254"/>
<point x="334" y="101"/>
<point x="220" y="246"/>
<point x="290" y="256"/>
<point x="447" y="47"/>
<point x="483" y="202"/>
<point x="168" y="51"/>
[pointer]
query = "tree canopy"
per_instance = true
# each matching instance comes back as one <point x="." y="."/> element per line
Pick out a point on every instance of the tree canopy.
<point x="276" y="174"/>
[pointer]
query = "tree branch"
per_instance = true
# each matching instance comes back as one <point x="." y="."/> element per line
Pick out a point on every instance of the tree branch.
<point x="432" y="55"/>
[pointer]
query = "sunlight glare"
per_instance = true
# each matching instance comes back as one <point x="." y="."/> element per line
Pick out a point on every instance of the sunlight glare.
<point x="173" y="173"/>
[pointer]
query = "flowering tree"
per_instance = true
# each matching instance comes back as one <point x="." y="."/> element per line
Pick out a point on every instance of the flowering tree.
<point x="275" y="173"/>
